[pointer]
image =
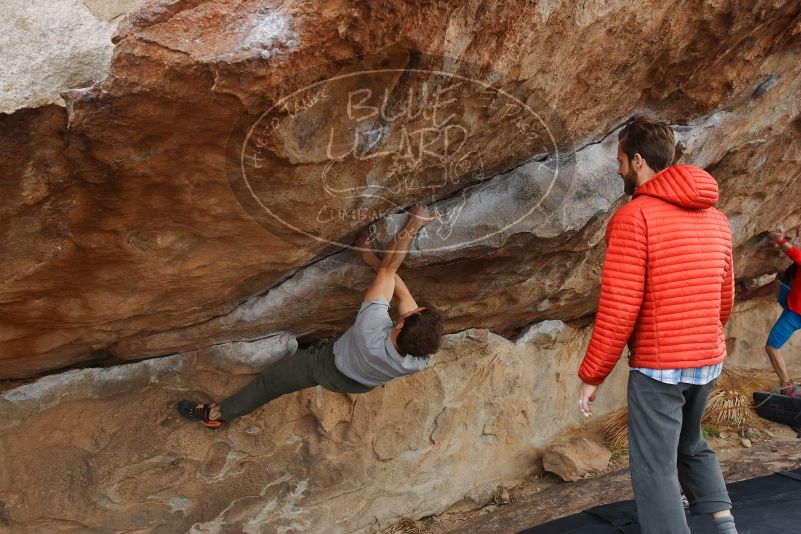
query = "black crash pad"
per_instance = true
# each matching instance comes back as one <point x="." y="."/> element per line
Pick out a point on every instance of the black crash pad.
<point x="766" y="504"/>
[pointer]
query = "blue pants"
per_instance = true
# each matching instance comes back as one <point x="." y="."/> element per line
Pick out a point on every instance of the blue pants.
<point x="788" y="323"/>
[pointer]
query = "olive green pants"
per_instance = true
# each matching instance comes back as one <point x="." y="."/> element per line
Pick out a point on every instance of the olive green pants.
<point x="309" y="367"/>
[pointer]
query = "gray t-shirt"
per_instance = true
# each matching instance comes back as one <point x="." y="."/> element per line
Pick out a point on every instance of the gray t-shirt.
<point x="365" y="352"/>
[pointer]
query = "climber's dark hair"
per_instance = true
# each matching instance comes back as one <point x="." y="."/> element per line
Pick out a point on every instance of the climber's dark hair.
<point x="421" y="333"/>
<point x="652" y="140"/>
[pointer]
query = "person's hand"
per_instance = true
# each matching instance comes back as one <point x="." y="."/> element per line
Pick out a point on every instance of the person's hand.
<point x="365" y="244"/>
<point x="365" y="240"/>
<point x="420" y="215"/>
<point x="586" y="397"/>
<point x="776" y="236"/>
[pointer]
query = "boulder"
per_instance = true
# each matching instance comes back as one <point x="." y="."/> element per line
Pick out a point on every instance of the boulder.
<point x="182" y="181"/>
<point x="576" y="458"/>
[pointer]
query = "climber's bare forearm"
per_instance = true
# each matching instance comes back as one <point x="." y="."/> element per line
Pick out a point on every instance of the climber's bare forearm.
<point x="399" y="246"/>
<point x="369" y="258"/>
<point x="406" y="302"/>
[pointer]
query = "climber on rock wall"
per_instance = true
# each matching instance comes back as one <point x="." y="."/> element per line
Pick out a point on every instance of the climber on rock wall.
<point x="667" y="288"/>
<point x="790" y="319"/>
<point x="371" y="352"/>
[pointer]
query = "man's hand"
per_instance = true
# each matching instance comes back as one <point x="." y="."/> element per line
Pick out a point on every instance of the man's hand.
<point x="364" y="240"/>
<point x="406" y="302"/>
<point x="781" y="240"/>
<point x="776" y="236"/>
<point x="419" y="216"/>
<point x="365" y="245"/>
<point x="586" y="397"/>
<point x="420" y="211"/>
<point x="384" y="284"/>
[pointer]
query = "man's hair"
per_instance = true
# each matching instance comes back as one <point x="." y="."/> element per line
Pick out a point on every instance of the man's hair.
<point x="421" y="333"/>
<point x="652" y="140"/>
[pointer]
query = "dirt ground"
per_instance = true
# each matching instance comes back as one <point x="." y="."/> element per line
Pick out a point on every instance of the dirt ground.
<point x="543" y="498"/>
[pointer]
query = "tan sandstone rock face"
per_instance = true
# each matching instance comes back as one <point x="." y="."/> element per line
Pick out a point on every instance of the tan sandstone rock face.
<point x="103" y="449"/>
<point x="129" y="232"/>
<point x="119" y="457"/>
<point x="49" y="47"/>
<point x="180" y="178"/>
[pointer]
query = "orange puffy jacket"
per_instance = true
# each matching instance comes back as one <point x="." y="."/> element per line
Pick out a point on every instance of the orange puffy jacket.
<point x="667" y="284"/>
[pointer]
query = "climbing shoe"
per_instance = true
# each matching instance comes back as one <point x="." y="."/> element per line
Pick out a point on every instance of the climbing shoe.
<point x="198" y="412"/>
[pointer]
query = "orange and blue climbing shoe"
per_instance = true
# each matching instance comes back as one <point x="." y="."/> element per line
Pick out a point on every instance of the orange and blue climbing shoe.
<point x="199" y="413"/>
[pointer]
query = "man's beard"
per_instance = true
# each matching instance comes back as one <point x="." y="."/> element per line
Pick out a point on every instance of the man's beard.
<point x="630" y="182"/>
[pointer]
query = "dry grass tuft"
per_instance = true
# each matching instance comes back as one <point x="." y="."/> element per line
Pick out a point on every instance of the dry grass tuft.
<point x="729" y="408"/>
<point x="404" y="526"/>
<point x="746" y="380"/>
<point x="616" y="430"/>
<point x="730" y="405"/>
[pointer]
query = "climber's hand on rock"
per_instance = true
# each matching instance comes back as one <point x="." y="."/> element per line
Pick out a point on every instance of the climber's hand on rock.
<point x="364" y="244"/>
<point x="776" y="236"/>
<point x="365" y="240"/>
<point x="421" y="215"/>
<point x="587" y="394"/>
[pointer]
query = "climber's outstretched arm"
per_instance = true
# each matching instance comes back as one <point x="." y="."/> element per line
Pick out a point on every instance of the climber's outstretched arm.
<point x="383" y="285"/>
<point x="406" y="302"/>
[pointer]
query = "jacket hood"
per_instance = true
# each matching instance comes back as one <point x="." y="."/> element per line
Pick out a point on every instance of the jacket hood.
<point x="683" y="185"/>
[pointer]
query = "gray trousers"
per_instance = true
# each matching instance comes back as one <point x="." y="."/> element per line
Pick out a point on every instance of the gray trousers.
<point x="306" y="368"/>
<point x="665" y="436"/>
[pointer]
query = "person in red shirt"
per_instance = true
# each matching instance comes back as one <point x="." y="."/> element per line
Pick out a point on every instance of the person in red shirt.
<point x="789" y="321"/>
